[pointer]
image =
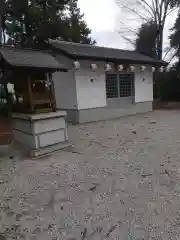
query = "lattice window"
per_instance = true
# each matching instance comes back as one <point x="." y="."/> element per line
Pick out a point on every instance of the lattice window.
<point x="111" y="86"/>
<point x="125" y="85"/>
<point x="119" y="85"/>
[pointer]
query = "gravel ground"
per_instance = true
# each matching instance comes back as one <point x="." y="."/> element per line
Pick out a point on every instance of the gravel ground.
<point x="121" y="181"/>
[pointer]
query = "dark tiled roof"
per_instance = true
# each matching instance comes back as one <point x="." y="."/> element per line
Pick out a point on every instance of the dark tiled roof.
<point x="29" y="58"/>
<point x="103" y="53"/>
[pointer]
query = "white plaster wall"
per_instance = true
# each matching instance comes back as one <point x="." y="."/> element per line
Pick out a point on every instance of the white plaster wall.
<point x="143" y="89"/>
<point x="74" y="90"/>
<point x="93" y="95"/>
<point x="65" y="85"/>
<point x="90" y="94"/>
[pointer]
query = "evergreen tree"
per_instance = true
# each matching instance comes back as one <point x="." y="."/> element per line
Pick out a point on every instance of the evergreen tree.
<point x="3" y="9"/>
<point x="33" y="22"/>
<point x="78" y="29"/>
<point x="146" y="39"/>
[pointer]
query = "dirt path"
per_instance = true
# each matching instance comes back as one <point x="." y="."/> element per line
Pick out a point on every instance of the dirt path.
<point x="122" y="181"/>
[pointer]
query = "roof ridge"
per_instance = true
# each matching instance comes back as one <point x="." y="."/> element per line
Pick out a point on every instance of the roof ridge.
<point x="88" y="45"/>
<point x="101" y="52"/>
<point x="23" y="48"/>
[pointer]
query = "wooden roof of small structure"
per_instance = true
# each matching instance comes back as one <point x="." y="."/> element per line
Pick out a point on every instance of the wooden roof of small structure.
<point x="21" y="57"/>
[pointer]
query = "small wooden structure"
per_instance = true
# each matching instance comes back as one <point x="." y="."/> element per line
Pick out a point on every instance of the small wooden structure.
<point x="34" y="92"/>
<point x="31" y="73"/>
<point x="36" y="123"/>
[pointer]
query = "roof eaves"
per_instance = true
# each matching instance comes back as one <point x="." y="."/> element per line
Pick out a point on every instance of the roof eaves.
<point x="80" y="57"/>
<point x="58" y="46"/>
<point x="63" y="52"/>
<point x="56" y="65"/>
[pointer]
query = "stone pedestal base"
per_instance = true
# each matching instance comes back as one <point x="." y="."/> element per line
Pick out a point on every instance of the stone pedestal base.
<point x="41" y="134"/>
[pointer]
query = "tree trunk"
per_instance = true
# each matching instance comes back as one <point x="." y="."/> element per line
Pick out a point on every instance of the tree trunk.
<point x="159" y="57"/>
<point x="160" y="44"/>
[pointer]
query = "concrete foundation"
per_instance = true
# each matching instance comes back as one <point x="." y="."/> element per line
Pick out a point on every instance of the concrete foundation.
<point x="106" y="113"/>
<point x="41" y="134"/>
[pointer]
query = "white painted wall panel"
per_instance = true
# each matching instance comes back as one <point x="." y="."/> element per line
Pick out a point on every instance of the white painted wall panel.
<point x="46" y="132"/>
<point x="65" y="85"/>
<point x="24" y="126"/>
<point x="143" y="85"/>
<point x="90" y="94"/>
<point x="48" y="125"/>
<point x="74" y="90"/>
<point x="26" y="140"/>
<point x="51" y="138"/>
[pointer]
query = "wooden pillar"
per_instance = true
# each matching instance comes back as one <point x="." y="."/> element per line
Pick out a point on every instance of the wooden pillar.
<point x="49" y="75"/>
<point x="30" y="95"/>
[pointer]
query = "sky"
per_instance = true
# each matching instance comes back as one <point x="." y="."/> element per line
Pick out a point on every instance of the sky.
<point x="100" y="16"/>
<point x="105" y="19"/>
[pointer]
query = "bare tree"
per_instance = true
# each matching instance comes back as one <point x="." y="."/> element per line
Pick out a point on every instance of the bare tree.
<point x="149" y="10"/>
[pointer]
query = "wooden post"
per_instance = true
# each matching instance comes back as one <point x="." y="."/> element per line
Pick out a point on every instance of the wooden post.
<point x="53" y="91"/>
<point x="30" y="95"/>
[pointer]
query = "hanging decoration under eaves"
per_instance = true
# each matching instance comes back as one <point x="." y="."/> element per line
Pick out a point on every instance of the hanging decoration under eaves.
<point x="142" y="68"/>
<point x="93" y="66"/>
<point x="167" y="69"/>
<point x="107" y="67"/>
<point x="131" y="68"/>
<point x="161" y="69"/>
<point x="76" y="65"/>
<point x="120" y="68"/>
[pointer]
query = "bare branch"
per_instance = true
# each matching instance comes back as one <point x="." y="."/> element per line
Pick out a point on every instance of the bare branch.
<point x="174" y="55"/>
<point x="148" y="11"/>
<point x="129" y="40"/>
<point x="170" y="11"/>
<point x="157" y="11"/>
<point x="161" y="9"/>
<point x="146" y="6"/>
<point x="128" y="29"/>
<point x="154" y="11"/>
<point x="135" y="11"/>
<point x="165" y="12"/>
<point x="167" y="53"/>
